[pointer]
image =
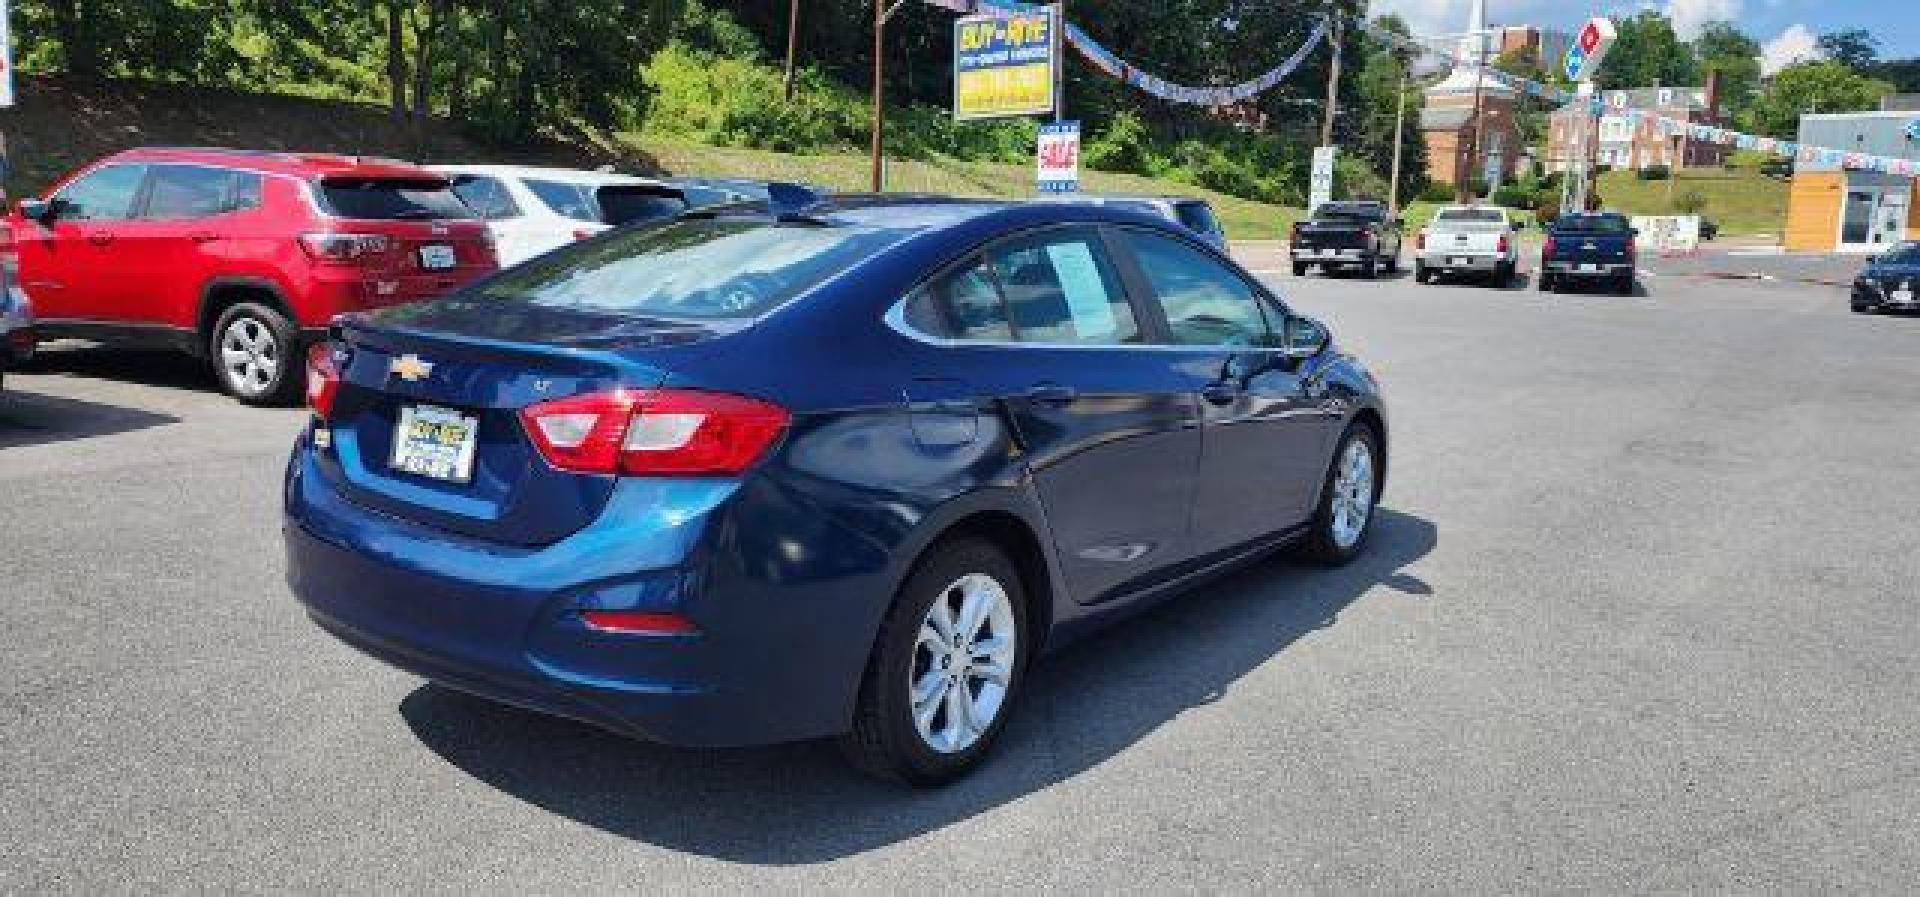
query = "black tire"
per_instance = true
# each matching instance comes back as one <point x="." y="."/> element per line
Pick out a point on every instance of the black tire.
<point x="1623" y="286"/>
<point x="1421" y="274"/>
<point x="1393" y="263"/>
<point x="1321" y="546"/>
<point x="275" y="340"/>
<point x="1503" y="274"/>
<point x="1299" y="270"/>
<point x="884" y="740"/>
<point x="1546" y="283"/>
<point x="1370" y="269"/>
<point x="1863" y="309"/>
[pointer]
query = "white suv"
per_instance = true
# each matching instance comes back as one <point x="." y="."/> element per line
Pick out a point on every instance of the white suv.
<point x="533" y="210"/>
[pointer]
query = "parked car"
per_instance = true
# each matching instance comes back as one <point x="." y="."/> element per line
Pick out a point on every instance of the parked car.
<point x="1471" y="240"/>
<point x="238" y="257"/>
<point x="1889" y="280"/>
<point x="702" y="192"/>
<point x="1709" y="229"/>
<point x="1361" y="235"/>
<point x="1589" y="248"/>
<point x="533" y="210"/>
<point x="17" y="338"/>
<point x="1193" y="214"/>
<point x="833" y="470"/>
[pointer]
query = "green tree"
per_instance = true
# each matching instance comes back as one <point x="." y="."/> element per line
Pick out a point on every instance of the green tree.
<point x="1812" y="87"/>
<point x="1726" y="51"/>
<point x="1647" y="53"/>
<point x="1384" y="74"/>
<point x="1855" y="48"/>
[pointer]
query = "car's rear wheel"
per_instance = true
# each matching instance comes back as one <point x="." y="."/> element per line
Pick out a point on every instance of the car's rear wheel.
<point x="1623" y="286"/>
<point x="1545" y="281"/>
<point x="255" y="355"/>
<point x="1863" y="309"/>
<point x="1503" y="274"/>
<point x="1370" y="268"/>
<point x="946" y="667"/>
<point x="1421" y="274"/>
<point x="1345" y="517"/>
<point x="1299" y="270"/>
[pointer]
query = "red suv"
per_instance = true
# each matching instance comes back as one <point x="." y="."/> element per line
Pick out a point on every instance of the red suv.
<point x="238" y="257"/>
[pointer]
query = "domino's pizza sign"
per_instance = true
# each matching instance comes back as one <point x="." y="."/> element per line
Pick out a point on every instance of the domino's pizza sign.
<point x="1059" y="157"/>
<point x="1589" y="49"/>
<point x="1913" y="129"/>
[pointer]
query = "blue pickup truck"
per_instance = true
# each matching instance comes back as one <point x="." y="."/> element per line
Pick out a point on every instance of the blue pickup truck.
<point x="1589" y="248"/>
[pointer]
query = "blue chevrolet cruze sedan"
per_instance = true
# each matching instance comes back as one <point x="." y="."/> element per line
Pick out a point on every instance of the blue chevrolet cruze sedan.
<point x="822" y="468"/>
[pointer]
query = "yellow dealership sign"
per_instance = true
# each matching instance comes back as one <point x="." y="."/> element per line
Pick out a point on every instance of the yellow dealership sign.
<point x="1004" y="65"/>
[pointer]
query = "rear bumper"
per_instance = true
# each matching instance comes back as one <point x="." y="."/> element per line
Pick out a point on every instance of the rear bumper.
<point x="504" y="623"/>
<point x="1881" y="297"/>
<point x="1465" y="261"/>
<point x="1580" y="269"/>
<point x="1330" y="255"/>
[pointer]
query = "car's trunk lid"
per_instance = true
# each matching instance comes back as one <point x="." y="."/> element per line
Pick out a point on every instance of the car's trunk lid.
<point x="476" y="364"/>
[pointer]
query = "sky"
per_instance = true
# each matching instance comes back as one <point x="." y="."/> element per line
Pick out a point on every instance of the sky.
<point x="1786" y="29"/>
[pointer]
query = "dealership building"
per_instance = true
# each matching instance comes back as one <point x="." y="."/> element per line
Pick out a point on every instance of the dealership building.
<point x="1834" y="209"/>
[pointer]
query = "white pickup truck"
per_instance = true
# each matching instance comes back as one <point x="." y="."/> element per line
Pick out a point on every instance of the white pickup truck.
<point x="1475" y="240"/>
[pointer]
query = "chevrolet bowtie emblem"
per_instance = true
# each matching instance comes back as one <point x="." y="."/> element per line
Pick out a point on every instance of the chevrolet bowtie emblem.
<point x="410" y="368"/>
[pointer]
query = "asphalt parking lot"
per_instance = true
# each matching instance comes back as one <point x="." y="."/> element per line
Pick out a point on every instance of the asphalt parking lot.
<point x="1640" y="615"/>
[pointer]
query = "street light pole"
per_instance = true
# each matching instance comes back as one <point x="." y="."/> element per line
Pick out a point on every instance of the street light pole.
<point x="1399" y="124"/>
<point x="1463" y="191"/>
<point x="1333" y="82"/>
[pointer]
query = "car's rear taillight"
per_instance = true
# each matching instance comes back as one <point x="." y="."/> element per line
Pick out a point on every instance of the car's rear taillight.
<point x="1506" y="243"/>
<point x="1546" y="249"/>
<point x="344" y="247"/>
<point x="581" y="233"/>
<point x="323" y="379"/>
<point x="1420" y="241"/>
<point x="654" y="432"/>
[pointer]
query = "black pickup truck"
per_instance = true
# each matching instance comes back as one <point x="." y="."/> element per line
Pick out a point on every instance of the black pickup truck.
<point x="1589" y="248"/>
<point x="1359" y="235"/>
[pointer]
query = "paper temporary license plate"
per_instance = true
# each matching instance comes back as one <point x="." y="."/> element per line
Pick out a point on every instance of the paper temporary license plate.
<point x="1901" y="296"/>
<point x="435" y="442"/>
<point x="437" y="257"/>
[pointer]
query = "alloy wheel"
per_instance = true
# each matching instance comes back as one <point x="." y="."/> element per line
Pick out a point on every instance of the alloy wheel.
<point x="1352" y="503"/>
<point x="249" y="356"/>
<point x="963" y="663"/>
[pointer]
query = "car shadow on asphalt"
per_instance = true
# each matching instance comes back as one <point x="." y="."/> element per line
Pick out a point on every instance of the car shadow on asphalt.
<point x="28" y="418"/>
<point x="799" y="803"/>
<point x="145" y="367"/>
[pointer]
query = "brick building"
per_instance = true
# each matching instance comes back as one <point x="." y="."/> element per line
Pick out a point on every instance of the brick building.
<point x="1625" y="143"/>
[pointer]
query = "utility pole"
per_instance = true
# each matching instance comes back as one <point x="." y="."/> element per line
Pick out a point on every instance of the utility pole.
<point x="1333" y="81"/>
<point x="1059" y="38"/>
<point x="1463" y="191"/>
<point x="793" y="42"/>
<point x="1399" y="123"/>
<point x="881" y="13"/>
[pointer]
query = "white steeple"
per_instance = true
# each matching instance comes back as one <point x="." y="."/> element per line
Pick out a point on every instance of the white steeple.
<point x="1476" y="44"/>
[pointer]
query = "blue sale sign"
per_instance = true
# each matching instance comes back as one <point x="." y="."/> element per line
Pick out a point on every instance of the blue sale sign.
<point x="1005" y="65"/>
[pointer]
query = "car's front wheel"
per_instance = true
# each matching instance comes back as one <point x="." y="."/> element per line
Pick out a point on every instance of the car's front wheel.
<point x="255" y="355"/>
<point x="945" y="669"/>
<point x="1345" y="517"/>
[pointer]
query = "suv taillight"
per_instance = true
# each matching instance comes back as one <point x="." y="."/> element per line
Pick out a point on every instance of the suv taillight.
<point x="654" y="432"/>
<point x="1546" y="249"/>
<point x="1420" y="241"/>
<point x="1506" y="243"/>
<point x="323" y="379"/>
<point x="344" y="247"/>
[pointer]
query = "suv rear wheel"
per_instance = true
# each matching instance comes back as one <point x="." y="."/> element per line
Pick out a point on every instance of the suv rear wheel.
<point x="254" y="350"/>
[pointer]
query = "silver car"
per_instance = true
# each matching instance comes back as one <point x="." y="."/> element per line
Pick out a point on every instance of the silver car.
<point x="1194" y="214"/>
<point x="16" y="325"/>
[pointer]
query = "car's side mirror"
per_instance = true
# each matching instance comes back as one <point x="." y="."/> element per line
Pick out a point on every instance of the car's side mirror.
<point x="36" y="209"/>
<point x="1305" y="337"/>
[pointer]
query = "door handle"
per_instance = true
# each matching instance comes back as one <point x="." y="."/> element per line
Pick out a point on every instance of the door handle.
<point x="99" y="238"/>
<point x="201" y="236"/>
<point x="1052" y="394"/>
<point x="1220" y="392"/>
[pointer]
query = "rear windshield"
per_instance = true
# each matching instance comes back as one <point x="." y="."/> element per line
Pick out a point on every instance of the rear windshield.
<point x="695" y="268"/>
<point x="1343" y="212"/>
<point x="609" y="203"/>
<point x="1472" y="216"/>
<point x="387" y="199"/>
<point x="1903" y="254"/>
<point x="1196" y="215"/>
<point x="1592" y="224"/>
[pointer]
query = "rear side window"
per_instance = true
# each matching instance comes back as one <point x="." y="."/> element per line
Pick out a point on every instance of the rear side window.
<point x="105" y="194"/>
<point x="705" y="268"/>
<point x="1060" y="287"/>
<point x="1198" y="216"/>
<point x="1206" y="303"/>
<point x="486" y="196"/>
<point x="626" y="204"/>
<point x="389" y="199"/>
<point x="963" y="305"/>
<point x="182" y="192"/>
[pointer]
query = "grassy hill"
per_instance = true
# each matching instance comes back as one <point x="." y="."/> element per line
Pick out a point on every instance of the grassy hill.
<point x="63" y="122"/>
<point x="1743" y="201"/>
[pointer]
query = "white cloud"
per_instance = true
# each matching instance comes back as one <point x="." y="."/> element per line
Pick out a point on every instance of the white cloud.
<point x="1689" y="16"/>
<point x="1796" y="44"/>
